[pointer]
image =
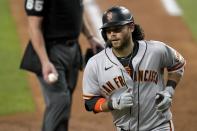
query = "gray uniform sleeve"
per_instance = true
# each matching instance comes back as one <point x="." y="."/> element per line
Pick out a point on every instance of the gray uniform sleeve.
<point x="172" y="60"/>
<point x="90" y="81"/>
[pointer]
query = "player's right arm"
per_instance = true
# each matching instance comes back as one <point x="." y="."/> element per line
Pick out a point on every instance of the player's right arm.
<point x="97" y="104"/>
<point x="100" y="104"/>
<point x="35" y="12"/>
<point x="94" y="101"/>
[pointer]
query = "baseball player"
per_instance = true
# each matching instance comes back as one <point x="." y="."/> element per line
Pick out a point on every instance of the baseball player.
<point x="127" y="77"/>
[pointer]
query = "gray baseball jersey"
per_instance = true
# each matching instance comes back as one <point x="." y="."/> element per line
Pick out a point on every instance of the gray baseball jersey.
<point x="105" y="76"/>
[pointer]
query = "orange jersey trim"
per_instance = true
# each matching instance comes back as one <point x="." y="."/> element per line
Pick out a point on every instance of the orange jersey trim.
<point x="176" y="67"/>
<point x="87" y="97"/>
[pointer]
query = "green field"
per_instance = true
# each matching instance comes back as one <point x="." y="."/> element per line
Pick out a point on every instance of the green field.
<point x="15" y="94"/>
<point x="189" y="9"/>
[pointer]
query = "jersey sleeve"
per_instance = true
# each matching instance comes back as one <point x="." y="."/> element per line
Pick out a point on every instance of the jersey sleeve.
<point x="173" y="60"/>
<point x="90" y="81"/>
<point x="34" y="7"/>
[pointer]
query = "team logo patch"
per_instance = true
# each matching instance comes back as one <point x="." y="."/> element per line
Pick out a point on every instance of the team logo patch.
<point x="109" y="16"/>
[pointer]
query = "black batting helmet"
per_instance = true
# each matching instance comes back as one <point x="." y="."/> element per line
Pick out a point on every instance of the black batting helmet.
<point x="115" y="16"/>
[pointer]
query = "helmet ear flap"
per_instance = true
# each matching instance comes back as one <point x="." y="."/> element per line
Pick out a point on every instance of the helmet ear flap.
<point x="103" y="33"/>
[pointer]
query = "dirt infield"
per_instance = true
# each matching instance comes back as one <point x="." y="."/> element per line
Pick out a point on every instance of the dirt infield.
<point x="158" y="25"/>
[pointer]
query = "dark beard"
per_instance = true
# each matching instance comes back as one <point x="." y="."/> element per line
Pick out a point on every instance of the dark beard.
<point x="124" y="43"/>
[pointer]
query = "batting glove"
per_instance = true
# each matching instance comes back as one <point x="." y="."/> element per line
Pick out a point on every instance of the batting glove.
<point x="164" y="99"/>
<point x="123" y="101"/>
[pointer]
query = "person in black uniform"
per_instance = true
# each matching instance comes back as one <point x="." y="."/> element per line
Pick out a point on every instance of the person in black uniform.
<point x="54" y="28"/>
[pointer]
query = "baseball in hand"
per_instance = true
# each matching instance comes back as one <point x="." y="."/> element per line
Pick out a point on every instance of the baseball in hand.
<point x="52" y="77"/>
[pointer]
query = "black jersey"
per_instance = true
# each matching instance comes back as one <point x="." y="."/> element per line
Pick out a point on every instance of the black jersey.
<point x="61" y="18"/>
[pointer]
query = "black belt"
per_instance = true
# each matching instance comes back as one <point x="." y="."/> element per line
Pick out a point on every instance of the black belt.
<point x="68" y="42"/>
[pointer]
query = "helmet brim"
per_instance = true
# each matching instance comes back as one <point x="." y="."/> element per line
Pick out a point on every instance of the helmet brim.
<point x="113" y="24"/>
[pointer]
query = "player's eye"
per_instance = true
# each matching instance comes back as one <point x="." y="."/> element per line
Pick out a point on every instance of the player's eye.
<point x="117" y="29"/>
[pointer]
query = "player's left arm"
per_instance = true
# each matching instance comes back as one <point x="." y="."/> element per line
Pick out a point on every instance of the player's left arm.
<point x="175" y="64"/>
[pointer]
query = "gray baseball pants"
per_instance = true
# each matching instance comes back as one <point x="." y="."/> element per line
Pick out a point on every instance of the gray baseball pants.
<point x="58" y="96"/>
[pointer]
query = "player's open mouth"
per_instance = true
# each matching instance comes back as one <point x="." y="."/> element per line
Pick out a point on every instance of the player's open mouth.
<point x="115" y="40"/>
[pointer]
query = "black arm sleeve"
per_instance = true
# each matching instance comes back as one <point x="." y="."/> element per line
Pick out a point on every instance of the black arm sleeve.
<point x="171" y="83"/>
<point x="89" y="104"/>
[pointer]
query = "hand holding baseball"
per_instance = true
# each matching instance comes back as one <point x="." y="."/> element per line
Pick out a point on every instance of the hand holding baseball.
<point x="52" y="77"/>
<point x="49" y="72"/>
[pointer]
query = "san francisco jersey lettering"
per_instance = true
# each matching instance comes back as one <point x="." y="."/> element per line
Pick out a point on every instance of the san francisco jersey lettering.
<point x="104" y="76"/>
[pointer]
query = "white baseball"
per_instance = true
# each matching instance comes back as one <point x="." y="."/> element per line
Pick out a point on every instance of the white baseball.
<point x="52" y="77"/>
